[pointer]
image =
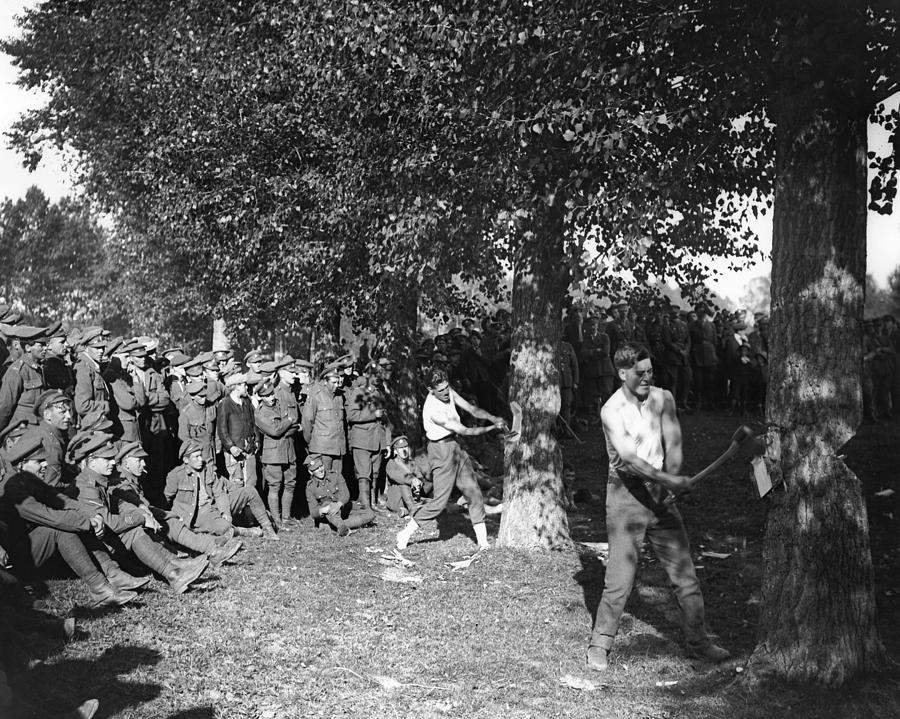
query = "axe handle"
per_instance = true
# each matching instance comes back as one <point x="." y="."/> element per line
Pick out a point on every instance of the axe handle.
<point x="722" y="459"/>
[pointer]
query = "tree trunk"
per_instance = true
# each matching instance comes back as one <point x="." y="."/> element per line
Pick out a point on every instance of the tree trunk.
<point x="533" y="516"/>
<point x="398" y="341"/>
<point x="818" y="617"/>
<point x="219" y="336"/>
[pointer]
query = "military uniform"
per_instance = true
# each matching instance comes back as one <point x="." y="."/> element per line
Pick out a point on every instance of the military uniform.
<point x="331" y="491"/>
<point x="197" y="421"/>
<point x="206" y="503"/>
<point x="278" y="423"/>
<point x="58" y="474"/>
<point x="22" y="384"/>
<point x="128" y="400"/>
<point x="368" y="435"/>
<point x="91" y="391"/>
<point x="323" y="426"/>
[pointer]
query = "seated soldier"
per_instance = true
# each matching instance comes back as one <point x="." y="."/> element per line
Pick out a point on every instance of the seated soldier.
<point x="41" y="522"/>
<point x="328" y="499"/>
<point x="207" y="503"/>
<point x="405" y="481"/>
<point x="131" y="462"/>
<point x="95" y="454"/>
<point x="55" y="418"/>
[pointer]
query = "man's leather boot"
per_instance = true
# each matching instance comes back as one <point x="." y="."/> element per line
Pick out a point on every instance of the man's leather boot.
<point x="117" y="576"/>
<point x="222" y="554"/>
<point x="104" y="594"/>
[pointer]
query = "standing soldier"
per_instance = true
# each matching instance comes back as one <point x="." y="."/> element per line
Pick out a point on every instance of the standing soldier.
<point x="676" y="343"/>
<point x="58" y="372"/>
<point x="155" y="435"/>
<point x="197" y="420"/>
<point x="277" y="417"/>
<point x="323" y="420"/>
<point x="236" y="430"/>
<point x="369" y="434"/>
<point x="91" y="391"/>
<point x="127" y="394"/>
<point x="23" y="382"/>
<point x="568" y="381"/>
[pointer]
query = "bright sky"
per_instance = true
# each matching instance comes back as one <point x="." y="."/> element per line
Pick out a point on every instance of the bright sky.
<point x="52" y="178"/>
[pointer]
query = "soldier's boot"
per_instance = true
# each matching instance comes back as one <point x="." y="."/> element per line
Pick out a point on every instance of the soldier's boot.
<point x="258" y="510"/>
<point x="287" y="501"/>
<point x="365" y="489"/>
<point x="201" y="543"/>
<point x="178" y="574"/>
<point x="224" y="553"/>
<point x="117" y="576"/>
<point x="103" y="594"/>
<point x="274" y="506"/>
<point x="360" y="518"/>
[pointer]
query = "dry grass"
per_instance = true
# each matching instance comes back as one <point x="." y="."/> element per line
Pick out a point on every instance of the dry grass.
<point x="307" y="627"/>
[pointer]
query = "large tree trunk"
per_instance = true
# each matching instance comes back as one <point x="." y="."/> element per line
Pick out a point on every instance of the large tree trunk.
<point x="399" y="340"/>
<point x="533" y="516"/>
<point x="818" y="616"/>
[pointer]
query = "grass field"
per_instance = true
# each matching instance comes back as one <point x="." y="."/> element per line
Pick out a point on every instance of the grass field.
<point x="317" y="626"/>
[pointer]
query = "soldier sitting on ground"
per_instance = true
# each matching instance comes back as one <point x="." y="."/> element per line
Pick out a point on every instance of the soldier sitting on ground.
<point x="328" y="499"/>
<point x="405" y="481"/>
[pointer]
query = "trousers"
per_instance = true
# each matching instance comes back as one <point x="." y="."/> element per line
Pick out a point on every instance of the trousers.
<point x="631" y="515"/>
<point x="451" y="466"/>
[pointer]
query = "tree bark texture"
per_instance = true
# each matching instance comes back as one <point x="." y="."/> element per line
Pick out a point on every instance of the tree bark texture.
<point x="220" y="335"/>
<point x="405" y="386"/>
<point x="818" y="616"/>
<point x="533" y="516"/>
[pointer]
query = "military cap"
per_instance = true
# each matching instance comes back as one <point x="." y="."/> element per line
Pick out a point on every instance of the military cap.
<point x="54" y="330"/>
<point x="300" y="364"/>
<point x="14" y="430"/>
<point x="455" y="332"/>
<point x="222" y="355"/>
<point x="344" y="361"/>
<point x="395" y="440"/>
<point x="439" y="357"/>
<point x="48" y="398"/>
<point x="331" y="370"/>
<point x="192" y="362"/>
<point x="313" y="462"/>
<point x="5" y="313"/>
<point x="193" y="370"/>
<point x="96" y="420"/>
<point x="130" y="449"/>
<point x="90" y="444"/>
<point x="148" y="343"/>
<point x="231" y="367"/>
<point x="253" y="378"/>
<point x="26" y="333"/>
<point x="92" y="337"/>
<point x="114" y="347"/>
<point x="74" y="336"/>
<point x="189" y="447"/>
<point x="29" y="447"/>
<point x="177" y="359"/>
<point x="138" y="350"/>
<point x="267" y="368"/>
<point x="205" y="357"/>
<point x="253" y="356"/>
<point x="172" y="350"/>
<point x="196" y="387"/>
<point x="236" y="379"/>
<point x="265" y="388"/>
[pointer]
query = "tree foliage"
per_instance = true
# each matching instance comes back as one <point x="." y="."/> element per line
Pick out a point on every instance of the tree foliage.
<point x="55" y="260"/>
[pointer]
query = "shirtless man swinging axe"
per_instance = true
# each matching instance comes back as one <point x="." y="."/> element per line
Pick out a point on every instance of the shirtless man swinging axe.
<point x="643" y="440"/>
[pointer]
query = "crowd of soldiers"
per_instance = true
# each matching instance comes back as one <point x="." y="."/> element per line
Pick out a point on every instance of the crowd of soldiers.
<point x="115" y="455"/>
<point x="708" y="360"/>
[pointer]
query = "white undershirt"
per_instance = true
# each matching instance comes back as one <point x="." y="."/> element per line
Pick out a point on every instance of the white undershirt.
<point x="433" y="411"/>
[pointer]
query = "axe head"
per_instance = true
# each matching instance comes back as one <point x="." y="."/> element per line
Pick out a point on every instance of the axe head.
<point x="742" y="434"/>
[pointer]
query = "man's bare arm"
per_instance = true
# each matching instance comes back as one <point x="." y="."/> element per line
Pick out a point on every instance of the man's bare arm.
<point x="671" y="432"/>
<point x="615" y="432"/>
<point x="460" y="428"/>
<point x="476" y="412"/>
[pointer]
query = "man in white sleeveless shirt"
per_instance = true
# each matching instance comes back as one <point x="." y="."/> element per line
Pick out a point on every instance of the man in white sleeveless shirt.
<point x="643" y="440"/>
<point x="450" y="463"/>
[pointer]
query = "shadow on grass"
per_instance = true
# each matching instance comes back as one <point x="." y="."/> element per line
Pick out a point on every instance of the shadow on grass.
<point x="195" y="713"/>
<point x="59" y="685"/>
